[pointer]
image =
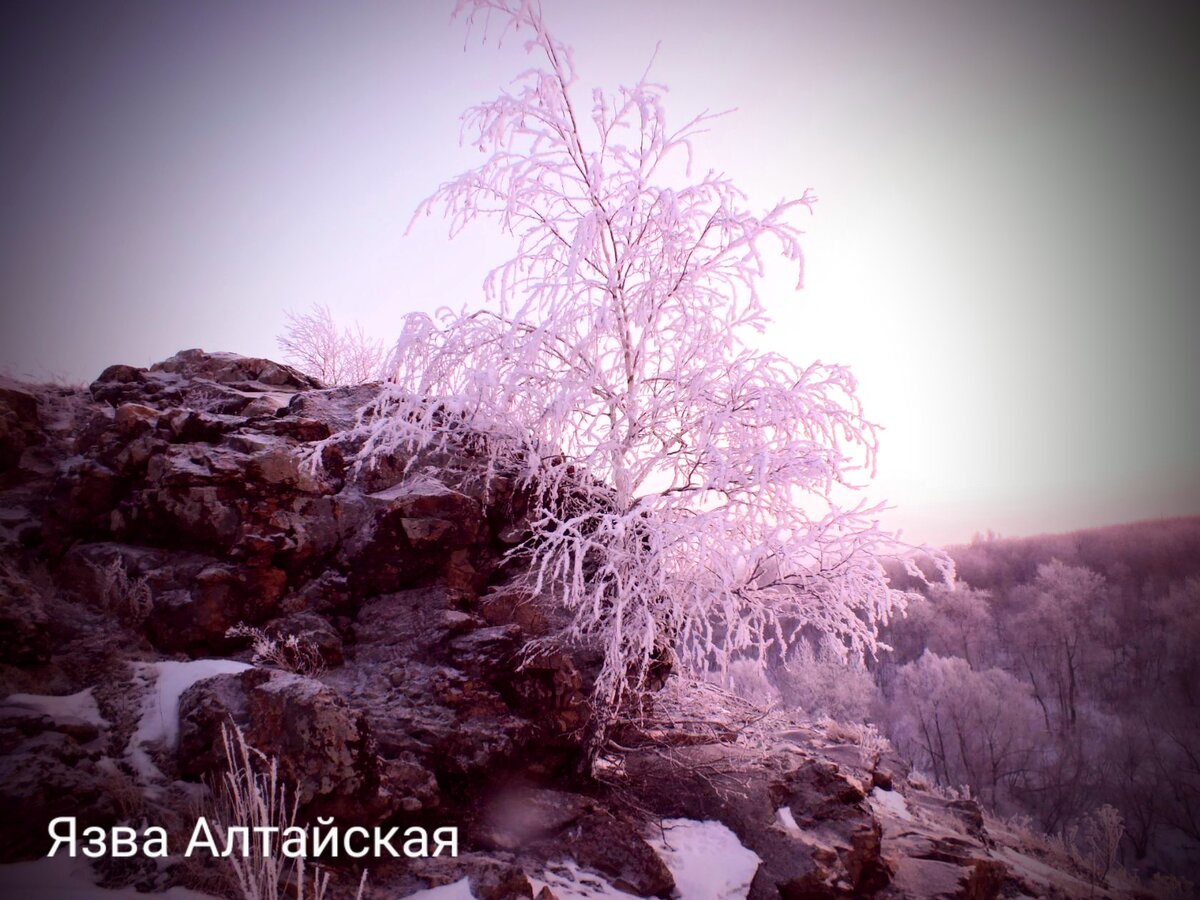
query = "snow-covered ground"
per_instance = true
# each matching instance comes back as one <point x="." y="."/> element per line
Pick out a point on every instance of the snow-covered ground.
<point x="460" y="890"/>
<point x="161" y="683"/>
<point x="569" y="882"/>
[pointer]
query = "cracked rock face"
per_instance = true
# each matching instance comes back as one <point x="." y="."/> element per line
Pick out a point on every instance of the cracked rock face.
<point x="177" y="501"/>
<point x="143" y="517"/>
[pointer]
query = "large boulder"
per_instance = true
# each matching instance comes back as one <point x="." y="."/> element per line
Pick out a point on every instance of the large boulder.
<point x="806" y="819"/>
<point x="324" y="749"/>
<point x="223" y="383"/>
<point x="19" y="423"/>
<point x="49" y="767"/>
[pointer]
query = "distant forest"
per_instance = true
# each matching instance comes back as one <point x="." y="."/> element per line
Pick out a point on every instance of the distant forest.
<point x="1061" y="673"/>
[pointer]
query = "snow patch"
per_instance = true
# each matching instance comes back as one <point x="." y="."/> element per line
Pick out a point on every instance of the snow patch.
<point x="891" y="802"/>
<point x="569" y="882"/>
<point x="414" y="486"/>
<point x="707" y="859"/>
<point x="73" y="706"/>
<point x="165" y="683"/>
<point x="785" y="818"/>
<point x="460" y="890"/>
<point x="814" y="839"/>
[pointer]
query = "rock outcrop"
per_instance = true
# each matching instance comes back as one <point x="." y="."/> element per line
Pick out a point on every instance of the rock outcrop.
<point x="145" y="517"/>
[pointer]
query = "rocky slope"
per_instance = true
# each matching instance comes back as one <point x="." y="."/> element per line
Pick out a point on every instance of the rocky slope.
<point x="144" y="517"/>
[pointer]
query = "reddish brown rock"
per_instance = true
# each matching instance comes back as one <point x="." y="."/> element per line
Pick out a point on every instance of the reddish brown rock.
<point x="193" y="484"/>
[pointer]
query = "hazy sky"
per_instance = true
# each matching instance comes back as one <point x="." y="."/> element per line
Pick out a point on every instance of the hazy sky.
<point x="1003" y="250"/>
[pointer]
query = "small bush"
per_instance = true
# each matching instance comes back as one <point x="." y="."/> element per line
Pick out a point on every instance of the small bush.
<point x="747" y="679"/>
<point x="129" y="599"/>
<point x="292" y="654"/>
<point x="1097" y="840"/>
<point x="251" y="796"/>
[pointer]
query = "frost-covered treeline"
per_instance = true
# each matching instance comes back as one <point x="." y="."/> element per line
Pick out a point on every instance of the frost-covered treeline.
<point x="1060" y="674"/>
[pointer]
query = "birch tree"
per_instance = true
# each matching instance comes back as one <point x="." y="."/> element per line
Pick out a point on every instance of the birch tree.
<point x="313" y="343"/>
<point x="693" y="497"/>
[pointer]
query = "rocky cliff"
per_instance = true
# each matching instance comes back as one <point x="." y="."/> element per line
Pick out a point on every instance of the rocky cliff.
<point x="169" y="563"/>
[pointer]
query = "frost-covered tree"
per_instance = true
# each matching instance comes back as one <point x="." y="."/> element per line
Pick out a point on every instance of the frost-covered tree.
<point x="313" y="342"/>
<point x="822" y="680"/>
<point x="953" y="620"/>
<point x="693" y="497"/>
<point x="1051" y="636"/>
<point x="977" y="728"/>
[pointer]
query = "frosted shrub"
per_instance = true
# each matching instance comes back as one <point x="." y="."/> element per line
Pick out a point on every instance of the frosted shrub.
<point x="129" y="599"/>
<point x="292" y="654"/>
<point x="863" y="734"/>
<point x="749" y="681"/>
<point x="1097" y="841"/>
<point x="692" y="498"/>
<point x="251" y="796"/>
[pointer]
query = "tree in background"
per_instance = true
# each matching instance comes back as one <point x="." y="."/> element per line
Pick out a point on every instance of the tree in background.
<point x="1097" y="632"/>
<point x="953" y="620"/>
<point x="819" y="678"/>
<point x="1051" y="634"/>
<point x="693" y="498"/>
<point x="977" y="728"/>
<point x="314" y="344"/>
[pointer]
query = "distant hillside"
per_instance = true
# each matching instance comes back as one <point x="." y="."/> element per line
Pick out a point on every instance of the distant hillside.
<point x="1139" y="553"/>
<point x="1149" y="554"/>
<point x="1060" y="679"/>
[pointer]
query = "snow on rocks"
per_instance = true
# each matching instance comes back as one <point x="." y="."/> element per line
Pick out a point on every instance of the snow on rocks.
<point x="568" y="881"/>
<point x="707" y="859"/>
<point x="459" y="890"/>
<point x="164" y="683"/>
<point x="889" y="802"/>
<point x="78" y="707"/>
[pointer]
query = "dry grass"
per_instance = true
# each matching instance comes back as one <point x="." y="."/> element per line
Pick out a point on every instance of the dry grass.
<point x="129" y="599"/>
<point x="251" y="795"/>
<point x="292" y="654"/>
